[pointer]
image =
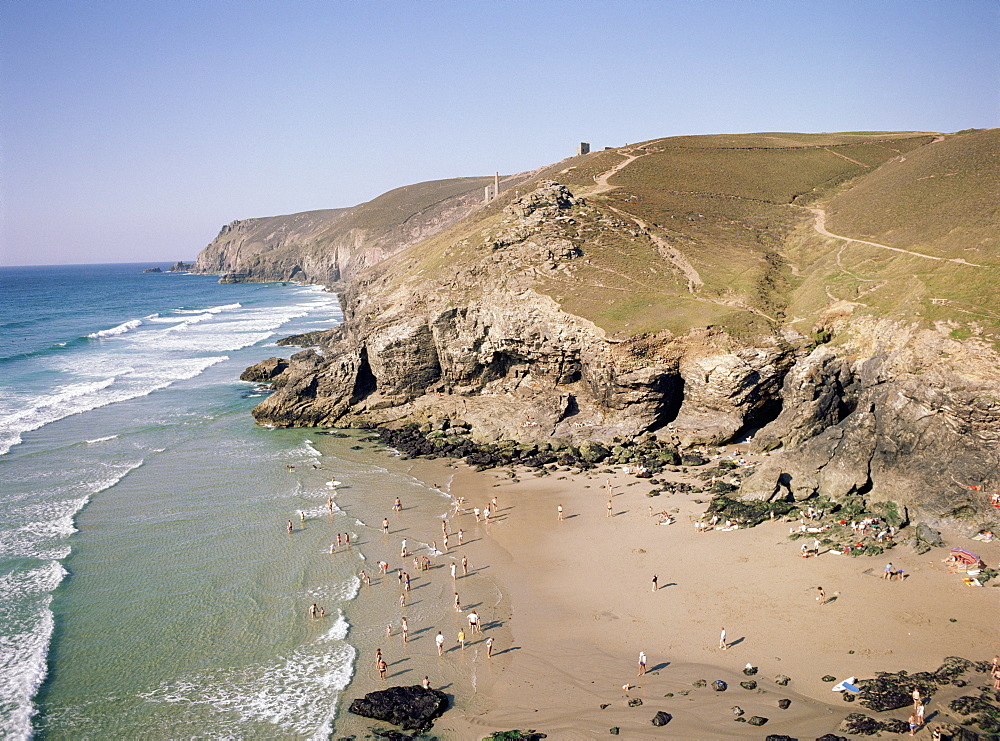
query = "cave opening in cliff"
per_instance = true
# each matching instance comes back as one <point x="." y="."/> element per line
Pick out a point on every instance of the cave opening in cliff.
<point x="365" y="382"/>
<point x="671" y="390"/>
<point x="758" y="419"/>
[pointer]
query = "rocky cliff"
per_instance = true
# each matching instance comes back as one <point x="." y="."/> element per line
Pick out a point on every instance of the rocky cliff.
<point x="564" y="314"/>
<point x="332" y="245"/>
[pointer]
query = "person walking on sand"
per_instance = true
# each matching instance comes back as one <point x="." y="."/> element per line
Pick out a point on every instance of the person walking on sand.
<point x="474" y="622"/>
<point x="405" y="627"/>
<point x="381" y="668"/>
<point x="402" y="600"/>
<point x="397" y="506"/>
<point x="610" y="509"/>
<point x="378" y="656"/>
<point x="655" y="585"/>
<point x="820" y="595"/>
<point x="402" y="549"/>
<point x="458" y="603"/>
<point x="913" y="722"/>
<point x="388" y="632"/>
<point x="290" y="527"/>
<point x="917" y="699"/>
<point x="920" y="714"/>
<point x="461" y="638"/>
<point x="439" y="640"/>
<point x="465" y="565"/>
<point x="385" y="525"/>
<point x="454" y="571"/>
<point x="559" y="509"/>
<point x="889" y="571"/>
<point x="461" y="536"/>
<point x="642" y="663"/>
<point x="722" y="640"/>
<point x="489" y="647"/>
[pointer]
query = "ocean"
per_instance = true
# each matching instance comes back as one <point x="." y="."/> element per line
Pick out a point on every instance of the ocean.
<point x="148" y="586"/>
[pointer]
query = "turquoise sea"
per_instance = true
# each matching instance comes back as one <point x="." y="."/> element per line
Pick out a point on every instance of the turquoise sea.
<point x="148" y="586"/>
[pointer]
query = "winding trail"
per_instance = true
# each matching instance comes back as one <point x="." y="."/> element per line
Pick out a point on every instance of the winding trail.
<point x="819" y="224"/>
<point x="601" y="181"/>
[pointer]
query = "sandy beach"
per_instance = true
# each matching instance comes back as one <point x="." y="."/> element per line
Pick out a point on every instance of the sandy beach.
<point x="569" y="605"/>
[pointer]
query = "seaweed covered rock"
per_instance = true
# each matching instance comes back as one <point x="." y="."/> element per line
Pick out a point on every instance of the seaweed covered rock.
<point x="413" y="708"/>
<point x="748" y="513"/>
<point x="757" y="720"/>
<point x="860" y="724"/>
<point x="893" y="691"/>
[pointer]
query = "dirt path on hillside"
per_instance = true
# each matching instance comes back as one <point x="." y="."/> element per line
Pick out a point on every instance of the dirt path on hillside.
<point x="667" y="251"/>
<point x="601" y="181"/>
<point x="819" y="224"/>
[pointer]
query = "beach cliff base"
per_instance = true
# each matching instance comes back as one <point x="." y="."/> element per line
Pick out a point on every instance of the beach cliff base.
<point x="570" y="604"/>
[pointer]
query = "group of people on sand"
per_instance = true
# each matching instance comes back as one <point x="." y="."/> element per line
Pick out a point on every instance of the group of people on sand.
<point x="422" y="563"/>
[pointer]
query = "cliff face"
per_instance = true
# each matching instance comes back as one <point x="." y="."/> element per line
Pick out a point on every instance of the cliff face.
<point x="333" y="245"/>
<point x="543" y="318"/>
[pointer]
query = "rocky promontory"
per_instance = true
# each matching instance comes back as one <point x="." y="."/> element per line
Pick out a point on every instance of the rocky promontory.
<point x="547" y="318"/>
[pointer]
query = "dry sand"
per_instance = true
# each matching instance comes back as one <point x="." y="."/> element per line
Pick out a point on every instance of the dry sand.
<point x="570" y="605"/>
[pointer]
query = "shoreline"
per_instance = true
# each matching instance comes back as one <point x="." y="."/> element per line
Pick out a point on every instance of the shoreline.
<point x="570" y="605"/>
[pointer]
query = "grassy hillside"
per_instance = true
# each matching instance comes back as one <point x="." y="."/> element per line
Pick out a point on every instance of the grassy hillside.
<point x="684" y="232"/>
<point x="327" y="243"/>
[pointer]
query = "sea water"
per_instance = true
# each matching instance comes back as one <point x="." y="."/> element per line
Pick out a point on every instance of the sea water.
<point x="148" y="586"/>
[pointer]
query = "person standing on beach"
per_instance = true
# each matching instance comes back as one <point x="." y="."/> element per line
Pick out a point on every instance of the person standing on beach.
<point x="655" y="585"/>
<point x="465" y="565"/>
<point x="820" y="595"/>
<point x="385" y="525"/>
<point x="397" y="506"/>
<point x="439" y="640"/>
<point x="461" y="638"/>
<point x="313" y="609"/>
<point x="559" y="509"/>
<point x="610" y="509"/>
<point x="458" y="603"/>
<point x="378" y="657"/>
<point x="889" y="570"/>
<point x="642" y="663"/>
<point x="722" y="640"/>
<point x="402" y="549"/>
<point x="461" y="535"/>
<point x="402" y="600"/>
<point x="489" y="647"/>
<point x="474" y="622"/>
<point x="405" y="627"/>
<point x="454" y="571"/>
<point x="426" y="684"/>
<point x="290" y="528"/>
<point x="381" y="668"/>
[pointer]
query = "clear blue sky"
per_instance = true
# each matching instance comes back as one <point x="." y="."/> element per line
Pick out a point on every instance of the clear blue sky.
<point x="131" y="131"/>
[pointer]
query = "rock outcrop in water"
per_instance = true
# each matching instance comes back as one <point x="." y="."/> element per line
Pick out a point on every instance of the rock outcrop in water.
<point x="473" y="326"/>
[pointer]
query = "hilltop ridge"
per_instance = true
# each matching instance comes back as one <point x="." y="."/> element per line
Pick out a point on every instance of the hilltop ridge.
<point x="823" y="296"/>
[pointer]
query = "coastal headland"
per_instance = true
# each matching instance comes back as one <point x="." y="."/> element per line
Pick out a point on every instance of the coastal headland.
<point x="823" y="303"/>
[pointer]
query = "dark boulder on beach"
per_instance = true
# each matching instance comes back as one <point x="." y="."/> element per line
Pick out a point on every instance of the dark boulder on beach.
<point x="719" y="686"/>
<point x="757" y="720"/>
<point x="749" y="685"/>
<point x="413" y="708"/>
<point x="784" y="703"/>
<point x="661" y="718"/>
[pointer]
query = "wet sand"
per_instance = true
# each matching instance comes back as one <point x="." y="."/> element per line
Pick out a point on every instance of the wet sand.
<point x="570" y="605"/>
